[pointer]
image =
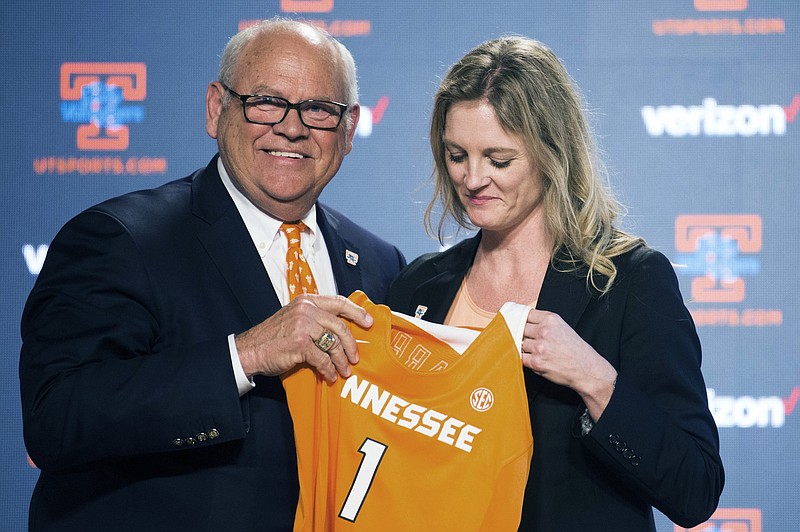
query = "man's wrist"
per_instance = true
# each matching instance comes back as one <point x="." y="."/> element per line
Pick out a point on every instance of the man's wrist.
<point x="243" y="383"/>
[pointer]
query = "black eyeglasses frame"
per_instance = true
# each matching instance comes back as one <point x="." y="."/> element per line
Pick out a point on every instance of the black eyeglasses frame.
<point x="289" y="106"/>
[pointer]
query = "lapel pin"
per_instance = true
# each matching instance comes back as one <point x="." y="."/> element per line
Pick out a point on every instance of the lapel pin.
<point x="421" y="310"/>
<point x="351" y="257"/>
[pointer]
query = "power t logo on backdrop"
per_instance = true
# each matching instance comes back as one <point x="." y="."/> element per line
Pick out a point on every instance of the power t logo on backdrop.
<point x="719" y="252"/>
<point x="103" y="99"/>
<point x="94" y="95"/>
<point x="729" y="520"/>
<point x="731" y="18"/>
<point x="306" y="6"/>
<point x="720" y="5"/>
<point x="336" y="27"/>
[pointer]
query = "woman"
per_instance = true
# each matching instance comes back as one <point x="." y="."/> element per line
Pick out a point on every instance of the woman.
<point x="618" y="404"/>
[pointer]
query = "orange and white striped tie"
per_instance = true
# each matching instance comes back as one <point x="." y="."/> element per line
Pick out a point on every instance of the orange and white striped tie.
<point x="298" y="272"/>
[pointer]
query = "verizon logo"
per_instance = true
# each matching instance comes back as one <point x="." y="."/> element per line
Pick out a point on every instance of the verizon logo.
<point x="34" y="257"/>
<point x="714" y="120"/>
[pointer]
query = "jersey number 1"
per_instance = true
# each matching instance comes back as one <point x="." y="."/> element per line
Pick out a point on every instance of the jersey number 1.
<point x="373" y="453"/>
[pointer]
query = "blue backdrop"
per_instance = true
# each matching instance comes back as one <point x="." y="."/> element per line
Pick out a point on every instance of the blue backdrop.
<point x="695" y="103"/>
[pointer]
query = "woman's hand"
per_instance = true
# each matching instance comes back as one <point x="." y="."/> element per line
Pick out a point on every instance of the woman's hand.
<point x="552" y="349"/>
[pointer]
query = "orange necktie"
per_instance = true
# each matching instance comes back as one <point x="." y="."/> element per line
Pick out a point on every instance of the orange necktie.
<point x="298" y="272"/>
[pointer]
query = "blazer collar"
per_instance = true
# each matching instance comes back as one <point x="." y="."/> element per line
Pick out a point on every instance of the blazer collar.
<point x="223" y="234"/>
<point x="210" y="200"/>
<point x="225" y="237"/>
<point x="436" y="294"/>
<point x="344" y="253"/>
<point x="563" y="292"/>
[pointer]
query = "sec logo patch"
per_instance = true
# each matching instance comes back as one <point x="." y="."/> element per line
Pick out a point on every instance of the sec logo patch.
<point x="481" y="399"/>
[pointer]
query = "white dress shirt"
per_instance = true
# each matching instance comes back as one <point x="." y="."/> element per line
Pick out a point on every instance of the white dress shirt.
<point x="271" y="245"/>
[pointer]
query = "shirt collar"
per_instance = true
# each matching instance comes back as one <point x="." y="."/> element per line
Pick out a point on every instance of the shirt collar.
<point x="262" y="226"/>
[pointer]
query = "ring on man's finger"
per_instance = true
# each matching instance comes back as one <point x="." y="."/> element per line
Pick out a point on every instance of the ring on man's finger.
<point x="325" y="340"/>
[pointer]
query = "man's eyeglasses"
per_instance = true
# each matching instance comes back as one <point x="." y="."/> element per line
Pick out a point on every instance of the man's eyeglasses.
<point x="271" y="110"/>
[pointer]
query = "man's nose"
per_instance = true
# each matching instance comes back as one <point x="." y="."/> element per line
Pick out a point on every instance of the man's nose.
<point x="291" y="126"/>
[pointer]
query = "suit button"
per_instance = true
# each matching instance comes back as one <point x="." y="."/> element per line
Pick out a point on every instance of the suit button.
<point x="190" y="441"/>
<point x="636" y="460"/>
<point x="621" y="446"/>
<point x="613" y="439"/>
<point x="202" y="436"/>
<point x="177" y="442"/>
<point x="213" y="434"/>
<point x="628" y="454"/>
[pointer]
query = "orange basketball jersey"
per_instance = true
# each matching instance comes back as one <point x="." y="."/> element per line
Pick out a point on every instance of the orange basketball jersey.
<point x="431" y="432"/>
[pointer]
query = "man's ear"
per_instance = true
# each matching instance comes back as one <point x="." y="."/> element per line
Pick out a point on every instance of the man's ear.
<point x="355" y="114"/>
<point x="214" y="94"/>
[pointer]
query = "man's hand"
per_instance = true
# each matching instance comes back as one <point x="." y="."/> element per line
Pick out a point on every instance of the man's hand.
<point x="286" y="338"/>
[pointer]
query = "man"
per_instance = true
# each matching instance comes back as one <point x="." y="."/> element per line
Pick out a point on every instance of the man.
<point x="157" y="329"/>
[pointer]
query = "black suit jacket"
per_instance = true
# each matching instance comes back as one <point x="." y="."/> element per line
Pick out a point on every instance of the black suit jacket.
<point x="656" y="444"/>
<point x="129" y="402"/>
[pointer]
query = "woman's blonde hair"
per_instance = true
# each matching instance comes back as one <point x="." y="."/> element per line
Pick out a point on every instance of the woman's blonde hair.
<point x="534" y="98"/>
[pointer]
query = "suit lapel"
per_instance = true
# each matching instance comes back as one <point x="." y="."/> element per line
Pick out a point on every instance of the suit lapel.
<point x="227" y="242"/>
<point x="435" y="296"/>
<point x="565" y="293"/>
<point x="343" y="253"/>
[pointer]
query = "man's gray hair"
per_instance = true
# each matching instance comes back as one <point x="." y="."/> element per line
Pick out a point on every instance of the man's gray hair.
<point x="346" y="66"/>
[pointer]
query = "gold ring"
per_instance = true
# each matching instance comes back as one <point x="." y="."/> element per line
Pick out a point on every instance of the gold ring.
<point x="325" y="340"/>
